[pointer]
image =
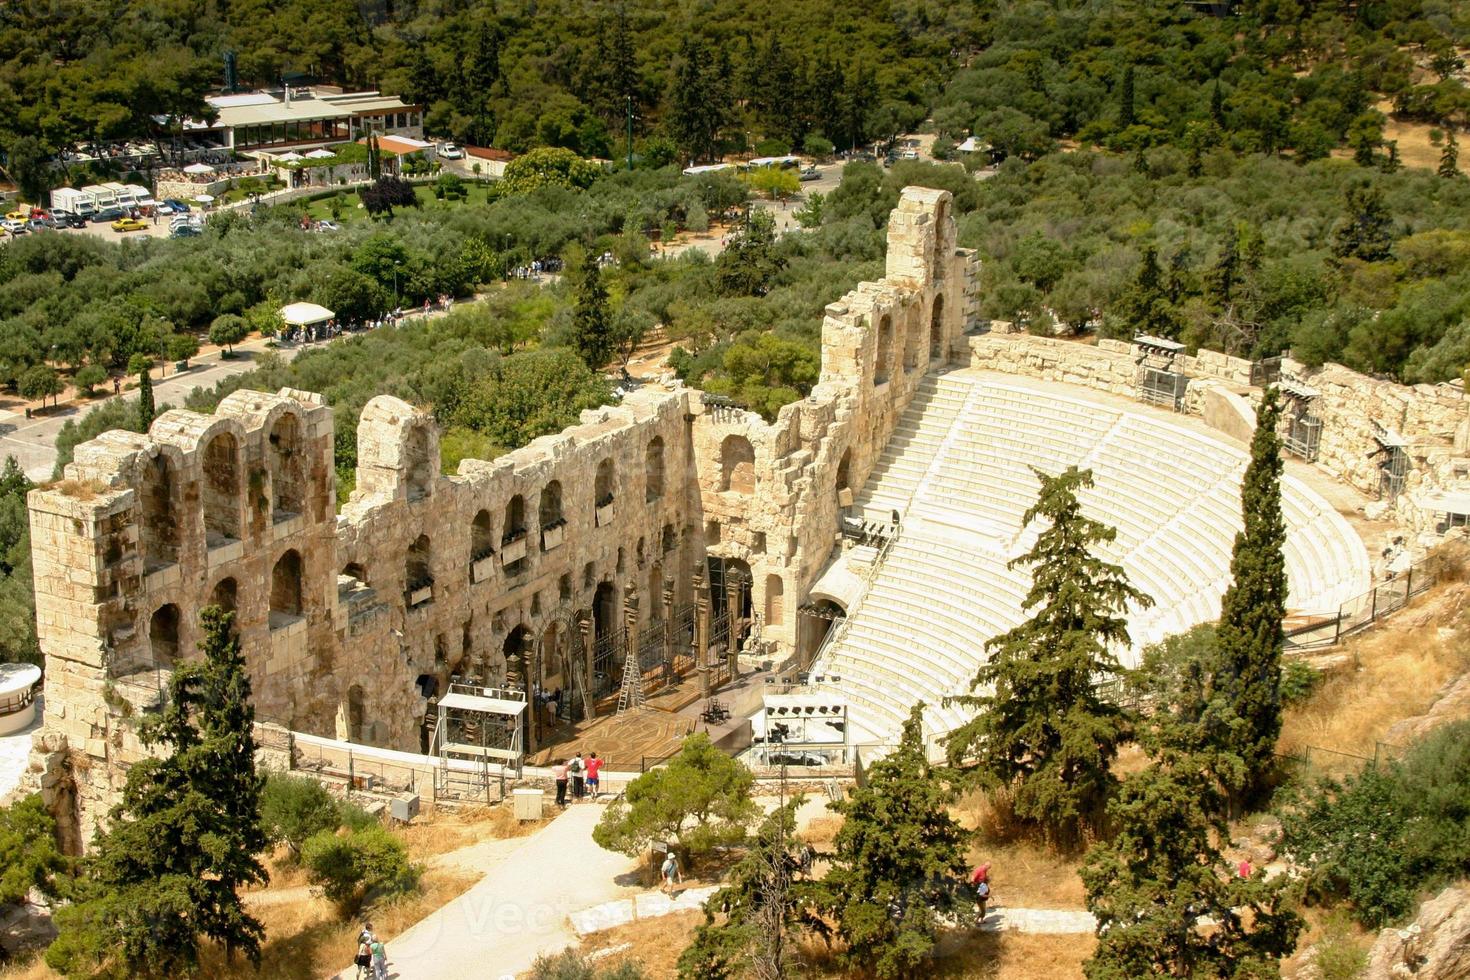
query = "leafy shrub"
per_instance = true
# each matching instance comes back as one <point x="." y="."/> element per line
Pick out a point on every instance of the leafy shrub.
<point x="1298" y="680"/>
<point x="571" y="965"/>
<point x="293" y="808"/>
<point x="358" y="866"/>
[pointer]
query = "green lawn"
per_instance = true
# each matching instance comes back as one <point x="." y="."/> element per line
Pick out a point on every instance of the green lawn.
<point x="322" y="208"/>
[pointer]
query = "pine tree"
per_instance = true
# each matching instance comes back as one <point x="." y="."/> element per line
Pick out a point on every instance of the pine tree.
<point x="1125" y="99"/>
<point x="592" y="320"/>
<point x="146" y="409"/>
<point x="1449" y="158"/>
<point x="762" y="903"/>
<point x="1391" y="162"/>
<point x="183" y="839"/>
<point x="1145" y="306"/>
<point x="697" y="100"/>
<point x="1043" y="731"/>
<point x="1217" y="105"/>
<point x="1248" y="676"/>
<point x="899" y="857"/>
<point x="1366" y="230"/>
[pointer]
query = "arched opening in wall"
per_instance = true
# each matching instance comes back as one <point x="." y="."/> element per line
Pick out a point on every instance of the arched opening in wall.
<point x="288" y="465"/>
<point x="353" y="585"/>
<point x="355" y="713"/>
<point x="737" y="465"/>
<point x="813" y="622"/>
<point x="482" y="537"/>
<point x="844" y="479"/>
<point x="221" y="490"/>
<point x="653" y="469"/>
<point x="550" y="509"/>
<point x="606" y="634"/>
<point x="603" y="490"/>
<point x="913" y="339"/>
<point x="515" y="520"/>
<point x="418" y="468"/>
<point x="417" y="566"/>
<point x="885" y="350"/>
<point x="160" y="530"/>
<point x="670" y="539"/>
<point x="226" y="595"/>
<point x="517" y="649"/>
<point x="938" y="256"/>
<point x="936" y="328"/>
<point x="163" y="635"/>
<point x="775" y="601"/>
<point x="286" y="589"/>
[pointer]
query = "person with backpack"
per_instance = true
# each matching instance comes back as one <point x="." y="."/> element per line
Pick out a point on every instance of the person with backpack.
<point x="364" y="957"/>
<point x="577" y="767"/>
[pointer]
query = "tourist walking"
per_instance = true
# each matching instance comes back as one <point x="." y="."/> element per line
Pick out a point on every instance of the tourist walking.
<point x="577" y="768"/>
<point x="980" y="881"/>
<point x="671" y="873"/>
<point x="559" y="773"/>
<point x="380" y="960"/>
<point x="364" y="958"/>
<point x="594" y="766"/>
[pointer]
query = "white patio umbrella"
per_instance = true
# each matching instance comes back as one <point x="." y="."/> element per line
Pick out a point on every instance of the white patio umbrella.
<point x="290" y="157"/>
<point x="205" y="198"/>
<point x="320" y="154"/>
<point x="198" y="168"/>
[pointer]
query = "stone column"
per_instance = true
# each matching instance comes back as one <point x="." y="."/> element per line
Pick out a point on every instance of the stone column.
<point x="584" y="628"/>
<point x="701" y="630"/>
<point x="732" y="615"/>
<point x="630" y="625"/>
<point x="668" y="600"/>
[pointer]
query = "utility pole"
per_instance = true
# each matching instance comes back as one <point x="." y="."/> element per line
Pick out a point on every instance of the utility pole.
<point x="630" y="132"/>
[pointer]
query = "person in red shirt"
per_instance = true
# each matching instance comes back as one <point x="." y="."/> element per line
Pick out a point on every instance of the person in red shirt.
<point x="980" y="882"/>
<point x="594" y="766"/>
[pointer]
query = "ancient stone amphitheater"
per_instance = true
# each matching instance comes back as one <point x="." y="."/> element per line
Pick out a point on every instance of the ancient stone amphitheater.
<point x="858" y="542"/>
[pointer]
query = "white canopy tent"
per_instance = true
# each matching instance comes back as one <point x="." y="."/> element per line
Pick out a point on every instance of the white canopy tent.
<point x="290" y="156"/>
<point x="198" y="168"/>
<point x="320" y="154"/>
<point x="305" y="314"/>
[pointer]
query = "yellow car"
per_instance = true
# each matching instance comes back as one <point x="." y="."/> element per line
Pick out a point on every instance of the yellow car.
<point x="18" y="215"/>
<point x="129" y="224"/>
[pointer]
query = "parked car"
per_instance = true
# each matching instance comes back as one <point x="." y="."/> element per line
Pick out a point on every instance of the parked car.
<point x="184" y="231"/>
<point x="66" y="219"/>
<point x="177" y="206"/>
<point x="450" y="151"/>
<point x="129" y="224"/>
<point x="40" y="224"/>
<point x="811" y="173"/>
<point x="18" y="215"/>
<point x="13" y="226"/>
<point x="107" y="214"/>
<point x="327" y="225"/>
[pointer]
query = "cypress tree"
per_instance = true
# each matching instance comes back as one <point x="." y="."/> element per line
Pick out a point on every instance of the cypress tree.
<point x="1217" y="105"/>
<point x="1247" y="678"/>
<point x="897" y="851"/>
<point x="1125" y="99"/>
<point x="146" y="409"/>
<point x="1449" y="158"/>
<point x="183" y="839"/>
<point x="1043" y="732"/>
<point x="592" y="320"/>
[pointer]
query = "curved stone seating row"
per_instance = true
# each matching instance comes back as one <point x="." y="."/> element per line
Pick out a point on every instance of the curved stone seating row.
<point x="960" y="461"/>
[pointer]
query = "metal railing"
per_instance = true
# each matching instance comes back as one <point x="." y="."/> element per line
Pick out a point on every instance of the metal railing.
<point x="1362" y="610"/>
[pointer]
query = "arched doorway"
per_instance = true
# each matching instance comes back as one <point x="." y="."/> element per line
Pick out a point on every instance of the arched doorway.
<point x="812" y="626"/>
<point x="607" y="635"/>
<point x="355" y="713"/>
<point x="730" y="602"/>
<point x="226" y="594"/>
<point x="160" y="521"/>
<point x="775" y="601"/>
<point x="288" y="484"/>
<point x="517" y="651"/>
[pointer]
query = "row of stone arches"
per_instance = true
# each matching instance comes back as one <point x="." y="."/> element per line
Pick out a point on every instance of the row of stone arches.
<point x="286" y="605"/>
<point x="223" y="499"/>
<point x="883" y="366"/>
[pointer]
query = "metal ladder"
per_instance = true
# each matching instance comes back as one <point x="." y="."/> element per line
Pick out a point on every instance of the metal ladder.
<point x="630" y="697"/>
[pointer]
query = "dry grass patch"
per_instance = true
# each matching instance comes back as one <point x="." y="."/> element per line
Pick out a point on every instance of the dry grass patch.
<point x="655" y="943"/>
<point x="1392" y="673"/>
<point x="439" y="830"/>
<point x="1023" y="873"/>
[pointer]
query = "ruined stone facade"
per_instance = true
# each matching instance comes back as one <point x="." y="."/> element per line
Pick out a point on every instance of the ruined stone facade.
<point x="349" y="620"/>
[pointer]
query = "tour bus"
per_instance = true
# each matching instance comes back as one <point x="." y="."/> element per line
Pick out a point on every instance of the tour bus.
<point x="785" y="163"/>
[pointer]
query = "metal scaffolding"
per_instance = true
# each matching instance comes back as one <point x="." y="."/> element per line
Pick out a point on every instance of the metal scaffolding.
<point x="1160" y="382"/>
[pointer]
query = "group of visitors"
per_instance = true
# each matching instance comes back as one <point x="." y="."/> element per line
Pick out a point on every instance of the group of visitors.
<point x="583" y="775"/>
<point x="372" y="958"/>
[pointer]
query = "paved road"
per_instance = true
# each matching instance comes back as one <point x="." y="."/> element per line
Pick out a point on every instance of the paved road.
<point x="519" y="909"/>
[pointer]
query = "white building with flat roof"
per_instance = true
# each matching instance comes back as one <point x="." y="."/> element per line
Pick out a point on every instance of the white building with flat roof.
<point x="303" y="117"/>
